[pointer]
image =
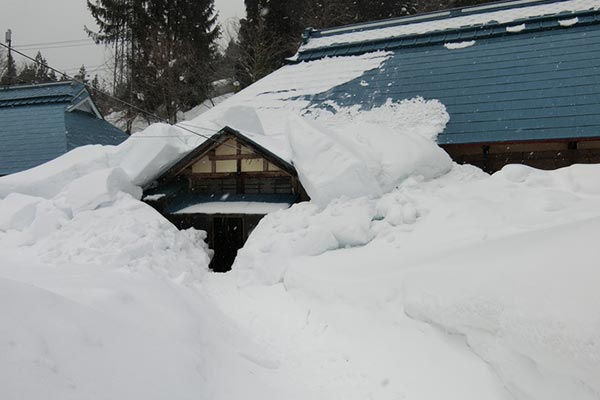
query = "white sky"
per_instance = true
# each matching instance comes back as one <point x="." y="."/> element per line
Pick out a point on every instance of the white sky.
<point x="44" y="21"/>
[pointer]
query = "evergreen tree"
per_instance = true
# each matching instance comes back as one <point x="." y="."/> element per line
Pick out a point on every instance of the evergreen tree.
<point x="82" y="75"/>
<point x="42" y="72"/>
<point x="9" y="77"/>
<point x="27" y="74"/>
<point x="168" y="47"/>
<point x="36" y="72"/>
<point x="174" y="69"/>
<point x="268" y="35"/>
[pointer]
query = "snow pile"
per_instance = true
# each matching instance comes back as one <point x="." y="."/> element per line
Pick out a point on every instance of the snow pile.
<point x="348" y="157"/>
<point x="530" y="310"/>
<point x="141" y="157"/>
<point x="306" y="229"/>
<point x="505" y="261"/>
<point x="341" y="35"/>
<point x="83" y="207"/>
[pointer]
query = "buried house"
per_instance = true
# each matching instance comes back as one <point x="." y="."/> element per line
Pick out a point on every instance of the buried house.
<point x="224" y="187"/>
<point x="517" y="82"/>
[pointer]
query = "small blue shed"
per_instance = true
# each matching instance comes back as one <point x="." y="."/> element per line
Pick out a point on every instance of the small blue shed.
<point x="520" y="79"/>
<point x="41" y="122"/>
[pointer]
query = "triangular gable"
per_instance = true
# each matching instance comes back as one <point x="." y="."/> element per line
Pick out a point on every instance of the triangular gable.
<point x="220" y="139"/>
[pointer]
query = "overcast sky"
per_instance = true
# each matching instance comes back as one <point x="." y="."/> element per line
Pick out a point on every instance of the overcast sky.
<point x="37" y="23"/>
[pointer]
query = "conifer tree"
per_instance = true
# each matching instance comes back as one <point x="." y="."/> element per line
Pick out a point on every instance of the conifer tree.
<point x="169" y="48"/>
<point x="81" y="76"/>
<point x="9" y="76"/>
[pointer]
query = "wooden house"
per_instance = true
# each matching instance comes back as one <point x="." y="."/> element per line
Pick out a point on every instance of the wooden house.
<point x="225" y="187"/>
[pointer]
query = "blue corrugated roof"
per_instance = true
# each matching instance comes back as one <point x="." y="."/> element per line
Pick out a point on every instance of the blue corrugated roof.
<point x="83" y="128"/>
<point x="542" y="83"/>
<point x="35" y="126"/>
<point x="39" y="93"/>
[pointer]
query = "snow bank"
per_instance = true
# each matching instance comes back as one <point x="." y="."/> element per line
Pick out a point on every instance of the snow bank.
<point x="83" y="207"/>
<point x="501" y="266"/>
<point x="525" y="305"/>
<point x="141" y="157"/>
<point x="303" y="230"/>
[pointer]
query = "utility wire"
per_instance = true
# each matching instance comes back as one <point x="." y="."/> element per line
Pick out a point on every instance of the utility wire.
<point x="147" y="113"/>
<point x="50" y="47"/>
<point x="52" y="43"/>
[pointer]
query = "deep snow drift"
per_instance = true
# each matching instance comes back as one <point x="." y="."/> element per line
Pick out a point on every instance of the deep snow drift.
<point x="406" y="277"/>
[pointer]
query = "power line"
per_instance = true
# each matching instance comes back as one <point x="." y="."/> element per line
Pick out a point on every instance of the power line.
<point x="54" y="46"/>
<point x="147" y="113"/>
<point x="51" y="43"/>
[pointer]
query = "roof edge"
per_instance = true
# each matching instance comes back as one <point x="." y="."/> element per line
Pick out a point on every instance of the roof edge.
<point x="536" y="24"/>
<point x="37" y="85"/>
<point x="424" y="17"/>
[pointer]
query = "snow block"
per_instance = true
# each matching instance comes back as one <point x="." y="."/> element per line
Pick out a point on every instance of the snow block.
<point x="97" y="189"/>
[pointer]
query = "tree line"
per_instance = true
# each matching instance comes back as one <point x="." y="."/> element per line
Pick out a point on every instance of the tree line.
<point x="166" y="53"/>
<point x="272" y="29"/>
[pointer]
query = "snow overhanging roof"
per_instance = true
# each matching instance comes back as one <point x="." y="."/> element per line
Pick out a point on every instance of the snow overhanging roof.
<point x="217" y="139"/>
<point x="469" y="23"/>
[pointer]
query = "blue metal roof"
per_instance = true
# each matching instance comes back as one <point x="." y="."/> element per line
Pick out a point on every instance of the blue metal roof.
<point x="35" y="126"/>
<point x="83" y="128"/>
<point x="542" y="83"/>
<point x="49" y="92"/>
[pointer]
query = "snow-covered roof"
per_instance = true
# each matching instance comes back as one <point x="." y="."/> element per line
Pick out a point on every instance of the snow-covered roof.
<point x="489" y="16"/>
<point x="518" y="71"/>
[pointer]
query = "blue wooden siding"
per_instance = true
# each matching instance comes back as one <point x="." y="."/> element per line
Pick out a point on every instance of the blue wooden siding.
<point x="35" y="126"/>
<point x="30" y="136"/>
<point x="534" y="85"/>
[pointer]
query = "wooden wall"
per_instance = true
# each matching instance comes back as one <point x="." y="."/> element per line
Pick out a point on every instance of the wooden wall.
<point x="542" y="155"/>
<point x="236" y="169"/>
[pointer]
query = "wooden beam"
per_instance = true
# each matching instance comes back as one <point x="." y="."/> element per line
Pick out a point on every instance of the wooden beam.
<point x="234" y="157"/>
<point x="221" y="175"/>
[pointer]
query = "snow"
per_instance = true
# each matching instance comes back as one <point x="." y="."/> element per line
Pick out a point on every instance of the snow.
<point x="154" y="197"/>
<point x="233" y="207"/>
<point x="515" y="28"/>
<point x="568" y="22"/>
<point x="459" y="45"/>
<point x="337" y="36"/>
<point x="405" y="277"/>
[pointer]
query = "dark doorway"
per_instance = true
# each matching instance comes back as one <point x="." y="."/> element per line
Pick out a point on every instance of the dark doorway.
<point x="228" y="238"/>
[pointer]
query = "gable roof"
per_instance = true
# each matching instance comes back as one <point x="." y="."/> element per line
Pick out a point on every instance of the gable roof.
<point x="218" y="139"/>
<point x="519" y="71"/>
<point x="41" y="122"/>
